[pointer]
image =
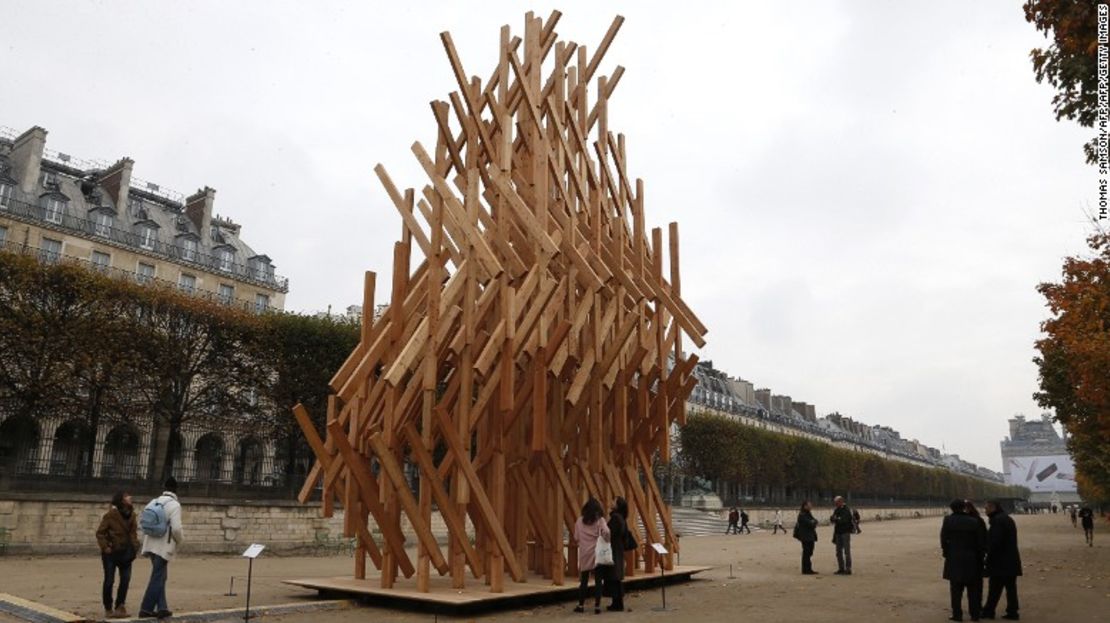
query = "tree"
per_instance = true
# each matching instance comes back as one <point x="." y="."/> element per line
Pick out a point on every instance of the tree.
<point x="302" y="353"/>
<point x="1074" y="362"/>
<point x="1070" y="63"/>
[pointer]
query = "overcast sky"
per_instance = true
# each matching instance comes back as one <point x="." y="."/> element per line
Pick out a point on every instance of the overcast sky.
<point x="868" y="192"/>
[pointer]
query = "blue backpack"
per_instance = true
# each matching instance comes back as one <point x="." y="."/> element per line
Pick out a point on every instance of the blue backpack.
<point x="153" y="520"/>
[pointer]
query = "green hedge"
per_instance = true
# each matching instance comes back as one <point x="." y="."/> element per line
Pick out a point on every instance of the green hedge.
<point x="720" y="448"/>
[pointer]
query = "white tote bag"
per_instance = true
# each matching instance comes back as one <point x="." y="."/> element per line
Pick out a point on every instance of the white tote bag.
<point x="603" y="552"/>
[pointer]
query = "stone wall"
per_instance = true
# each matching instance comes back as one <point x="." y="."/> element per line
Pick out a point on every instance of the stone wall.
<point x="765" y="516"/>
<point x="42" y="524"/>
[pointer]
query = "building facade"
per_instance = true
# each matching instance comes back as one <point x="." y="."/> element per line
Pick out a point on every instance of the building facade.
<point x="1035" y="456"/>
<point x="58" y="206"/>
<point x="61" y="208"/>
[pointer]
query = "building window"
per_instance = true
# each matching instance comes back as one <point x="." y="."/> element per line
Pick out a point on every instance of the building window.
<point x="3" y="236"/>
<point x="146" y="273"/>
<point x="187" y="283"/>
<point x="261" y="302"/>
<point x="147" y="236"/>
<point x="103" y="222"/>
<point x="51" y="250"/>
<point x="262" y="270"/>
<point x="101" y="261"/>
<point x="7" y="191"/>
<point x="54" y="208"/>
<point x="226" y="259"/>
<point x="227" y="294"/>
<point x="189" y="249"/>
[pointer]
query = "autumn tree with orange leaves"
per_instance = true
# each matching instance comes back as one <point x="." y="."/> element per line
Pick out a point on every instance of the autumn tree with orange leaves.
<point x="1074" y="363"/>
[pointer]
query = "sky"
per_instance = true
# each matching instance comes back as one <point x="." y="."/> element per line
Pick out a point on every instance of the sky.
<point x="868" y="193"/>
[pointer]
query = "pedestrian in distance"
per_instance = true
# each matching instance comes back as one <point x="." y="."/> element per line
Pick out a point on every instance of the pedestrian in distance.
<point x="1088" y="517"/>
<point x="744" y="521"/>
<point x="163" y="532"/>
<point x="855" y="521"/>
<point x="805" y="530"/>
<point x="1073" y="513"/>
<point x="588" y="530"/>
<point x="778" y="522"/>
<point x="963" y="543"/>
<point x="842" y="523"/>
<point x="623" y="541"/>
<point x="1003" y="565"/>
<point x="733" y="521"/>
<point x="118" y="539"/>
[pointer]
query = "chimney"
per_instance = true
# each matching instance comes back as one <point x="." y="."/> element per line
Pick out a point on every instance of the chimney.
<point x="811" y="413"/>
<point x="198" y="208"/>
<point x="116" y="181"/>
<point x="26" y="158"/>
<point x="800" y="407"/>
<point x="763" y="396"/>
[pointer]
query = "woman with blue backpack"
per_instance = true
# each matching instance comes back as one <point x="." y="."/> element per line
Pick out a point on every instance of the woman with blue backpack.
<point x="162" y="533"/>
<point x="118" y="538"/>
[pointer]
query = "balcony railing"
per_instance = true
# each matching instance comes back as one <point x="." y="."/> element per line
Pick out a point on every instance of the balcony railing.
<point x="47" y="256"/>
<point x="30" y="212"/>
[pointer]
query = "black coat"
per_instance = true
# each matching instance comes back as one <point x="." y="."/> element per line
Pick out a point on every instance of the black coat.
<point x="805" y="530"/>
<point x="1003" y="559"/>
<point x="618" y="526"/>
<point x="963" y="539"/>
<point x="841" y="520"/>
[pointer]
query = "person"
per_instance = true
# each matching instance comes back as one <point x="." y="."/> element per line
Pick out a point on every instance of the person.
<point x="970" y="509"/>
<point x="1003" y="564"/>
<point x="744" y="522"/>
<point x="855" y="521"/>
<point x="587" y="530"/>
<point x="805" y="530"/>
<point x="733" y="521"/>
<point x="778" y="522"/>
<point x="1088" y="517"/>
<point x="963" y="543"/>
<point x="118" y="538"/>
<point x="1073" y="513"/>
<point x="161" y="551"/>
<point x="841" y="520"/>
<point x="619" y="537"/>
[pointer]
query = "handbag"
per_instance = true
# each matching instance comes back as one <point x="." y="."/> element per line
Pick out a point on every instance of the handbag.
<point x="603" y="552"/>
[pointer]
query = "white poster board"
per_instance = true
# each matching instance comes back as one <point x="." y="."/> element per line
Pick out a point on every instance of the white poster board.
<point x="254" y="550"/>
<point x="1042" y="474"/>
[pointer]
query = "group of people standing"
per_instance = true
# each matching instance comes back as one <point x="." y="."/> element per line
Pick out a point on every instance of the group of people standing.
<point x="601" y="547"/>
<point x="119" y="543"/>
<point x="971" y="551"/>
<point x="844" y="521"/>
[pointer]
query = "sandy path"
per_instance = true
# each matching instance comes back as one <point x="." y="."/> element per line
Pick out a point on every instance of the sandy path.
<point x="897" y="577"/>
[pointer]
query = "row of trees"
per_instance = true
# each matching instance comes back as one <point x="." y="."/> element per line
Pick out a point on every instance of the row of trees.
<point x="1074" y="363"/>
<point x="82" y="346"/>
<point x="721" y="449"/>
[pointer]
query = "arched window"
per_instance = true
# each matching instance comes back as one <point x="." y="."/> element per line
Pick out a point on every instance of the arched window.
<point x="209" y="455"/>
<point x="248" y="462"/>
<point x="72" y="447"/>
<point x="19" y="444"/>
<point x="121" y="453"/>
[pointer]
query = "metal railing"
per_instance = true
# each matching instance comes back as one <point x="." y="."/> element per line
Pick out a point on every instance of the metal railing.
<point x="48" y="256"/>
<point x="23" y="210"/>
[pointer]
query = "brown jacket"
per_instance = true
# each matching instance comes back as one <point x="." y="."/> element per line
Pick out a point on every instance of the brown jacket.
<point x="115" y="531"/>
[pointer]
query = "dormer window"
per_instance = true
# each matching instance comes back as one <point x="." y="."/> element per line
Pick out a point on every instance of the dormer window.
<point x="261" y="268"/>
<point x="49" y="180"/>
<point x="54" y="208"/>
<point x="7" y="192"/>
<point x="189" y="249"/>
<point x="102" y="223"/>
<point x="148" y="236"/>
<point x="225" y="259"/>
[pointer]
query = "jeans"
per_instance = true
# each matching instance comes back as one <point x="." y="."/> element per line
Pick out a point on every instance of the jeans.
<point x="110" y="567"/>
<point x="974" y="597"/>
<point x="584" y="583"/>
<point x="843" y="551"/>
<point x="994" y="593"/>
<point x="154" y="600"/>
<point x="807" y="556"/>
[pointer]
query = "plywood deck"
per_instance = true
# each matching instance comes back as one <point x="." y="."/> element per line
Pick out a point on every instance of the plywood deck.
<point x="441" y="598"/>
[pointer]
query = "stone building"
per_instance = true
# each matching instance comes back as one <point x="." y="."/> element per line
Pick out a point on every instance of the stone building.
<point x="61" y="208"/>
<point x="1035" y="456"/>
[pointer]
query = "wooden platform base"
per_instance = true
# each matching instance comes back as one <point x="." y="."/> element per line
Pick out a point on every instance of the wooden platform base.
<point x="476" y="597"/>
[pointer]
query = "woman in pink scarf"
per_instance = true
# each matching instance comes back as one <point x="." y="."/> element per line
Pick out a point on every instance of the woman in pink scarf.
<point x="587" y="530"/>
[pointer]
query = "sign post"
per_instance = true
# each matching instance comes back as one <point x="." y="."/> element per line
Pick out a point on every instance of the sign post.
<point x="662" y="551"/>
<point x="250" y="554"/>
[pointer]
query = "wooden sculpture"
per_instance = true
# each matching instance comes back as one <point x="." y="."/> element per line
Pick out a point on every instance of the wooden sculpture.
<point x="533" y="357"/>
